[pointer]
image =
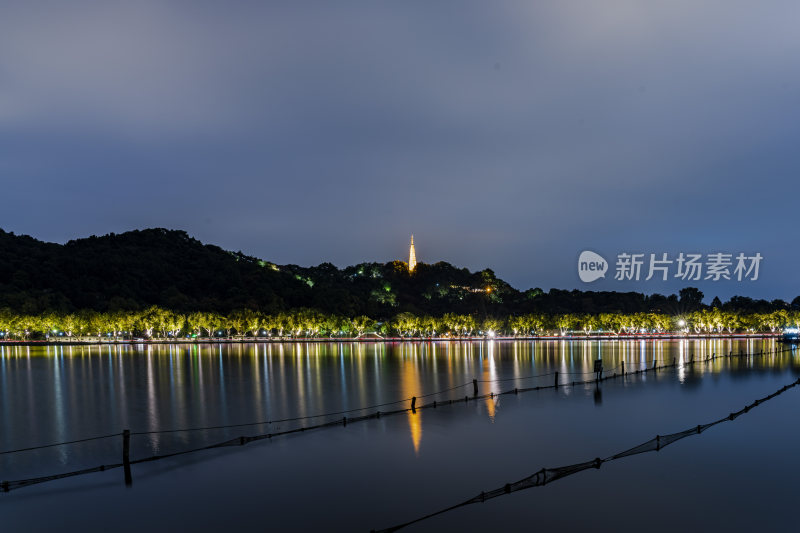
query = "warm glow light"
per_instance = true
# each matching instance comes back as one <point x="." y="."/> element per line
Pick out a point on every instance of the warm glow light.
<point x="412" y="256"/>
<point x="410" y="385"/>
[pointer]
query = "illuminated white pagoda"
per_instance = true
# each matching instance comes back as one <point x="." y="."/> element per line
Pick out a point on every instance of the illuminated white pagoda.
<point x="412" y="256"/>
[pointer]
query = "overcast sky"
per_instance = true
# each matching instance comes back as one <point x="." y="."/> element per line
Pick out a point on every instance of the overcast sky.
<point x="509" y="135"/>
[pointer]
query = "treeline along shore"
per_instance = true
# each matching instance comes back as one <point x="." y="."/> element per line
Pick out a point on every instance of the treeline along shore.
<point x="160" y="284"/>
<point x="159" y="324"/>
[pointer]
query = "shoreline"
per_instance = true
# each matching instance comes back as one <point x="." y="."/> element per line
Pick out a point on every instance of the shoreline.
<point x="297" y="340"/>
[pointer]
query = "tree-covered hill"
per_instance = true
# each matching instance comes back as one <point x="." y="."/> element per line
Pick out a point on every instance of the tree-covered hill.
<point x="167" y="268"/>
<point x="135" y="269"/>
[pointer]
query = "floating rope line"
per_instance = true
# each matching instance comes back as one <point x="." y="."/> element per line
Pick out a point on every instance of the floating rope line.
<point x="61" y="443"/>
<point x="245" y="439"/>
<point x="548" y="475"/>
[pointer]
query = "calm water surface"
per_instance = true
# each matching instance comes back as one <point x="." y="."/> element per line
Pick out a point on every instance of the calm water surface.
<point x="377" y="473"/>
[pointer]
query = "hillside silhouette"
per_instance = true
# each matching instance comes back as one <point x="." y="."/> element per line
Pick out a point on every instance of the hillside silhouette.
<point x="170" y="269"/>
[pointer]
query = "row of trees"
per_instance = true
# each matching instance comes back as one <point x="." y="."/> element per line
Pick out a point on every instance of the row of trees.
<point x="159" y="323"/>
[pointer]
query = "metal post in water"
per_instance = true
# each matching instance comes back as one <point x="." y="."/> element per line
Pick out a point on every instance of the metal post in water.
<point x="556" y="380"/>
<point x="126" y="460"/>
<point x="413" y="404"/>
<point x="474" y="387"/>
<point x="623" y="369"/>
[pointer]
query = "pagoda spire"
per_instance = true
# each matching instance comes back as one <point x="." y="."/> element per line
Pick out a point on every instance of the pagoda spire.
<point x="412" y="256"/>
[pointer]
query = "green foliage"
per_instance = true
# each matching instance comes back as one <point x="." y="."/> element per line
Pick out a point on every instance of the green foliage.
<point x="362" y="324"/>
<point x="159" y="323"/>
<point x="164" y="284"/>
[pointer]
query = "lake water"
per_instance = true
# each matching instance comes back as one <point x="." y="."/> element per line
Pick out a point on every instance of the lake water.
<point x="377" y="473"/>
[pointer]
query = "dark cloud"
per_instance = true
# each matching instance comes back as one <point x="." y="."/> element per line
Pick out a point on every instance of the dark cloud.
<point x="504" y="134"/>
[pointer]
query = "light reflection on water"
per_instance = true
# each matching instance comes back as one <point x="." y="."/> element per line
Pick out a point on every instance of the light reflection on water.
<point x="67" y="392"/>
<point x="157" y="387"/>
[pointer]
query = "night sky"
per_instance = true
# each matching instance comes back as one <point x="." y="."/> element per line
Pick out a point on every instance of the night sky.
<point x="508" y="135"/>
